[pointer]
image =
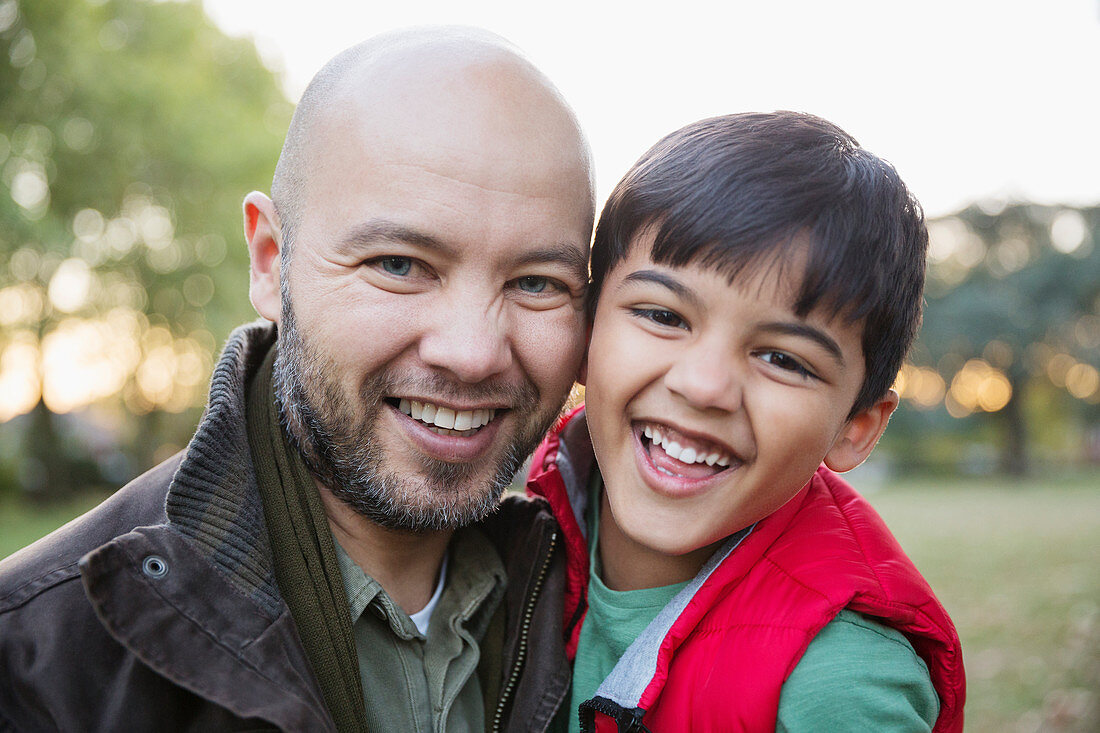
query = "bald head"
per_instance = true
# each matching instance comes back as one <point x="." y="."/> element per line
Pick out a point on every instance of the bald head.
<point x="463" y="99"/>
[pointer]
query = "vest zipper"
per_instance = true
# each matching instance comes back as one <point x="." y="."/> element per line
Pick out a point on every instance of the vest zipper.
<point x="525" y="627"/>
<point x="626" y="721"/>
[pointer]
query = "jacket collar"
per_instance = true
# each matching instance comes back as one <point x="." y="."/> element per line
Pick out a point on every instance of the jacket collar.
<point x="214" y="500"/>
<point x="154" y="591"/>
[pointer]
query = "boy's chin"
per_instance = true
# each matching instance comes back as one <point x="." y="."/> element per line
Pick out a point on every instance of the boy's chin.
<point x="663" y="537"/>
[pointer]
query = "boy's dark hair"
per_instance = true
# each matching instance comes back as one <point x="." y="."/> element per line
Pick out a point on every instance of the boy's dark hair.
<point x="736" y="191"/>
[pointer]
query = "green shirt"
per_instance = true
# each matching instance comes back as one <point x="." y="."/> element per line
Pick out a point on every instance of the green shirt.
<point x="613" y="620"/>
<point x="426" y="684"/>
<point x="856" y="675"/>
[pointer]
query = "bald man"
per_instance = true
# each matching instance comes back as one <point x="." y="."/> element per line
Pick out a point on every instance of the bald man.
<point x="331" y="551"/>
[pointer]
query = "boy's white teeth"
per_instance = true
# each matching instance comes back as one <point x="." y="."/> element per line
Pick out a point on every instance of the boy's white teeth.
<point x="445" y="417"/>
<point x="682" y="453"/>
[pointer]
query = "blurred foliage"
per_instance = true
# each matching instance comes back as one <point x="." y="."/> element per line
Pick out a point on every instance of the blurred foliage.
<point x="130" y="132"/>
<point x="1010" y="345"/>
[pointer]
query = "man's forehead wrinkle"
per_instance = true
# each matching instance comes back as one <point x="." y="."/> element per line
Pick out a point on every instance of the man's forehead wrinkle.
<point x="460" y="175"/>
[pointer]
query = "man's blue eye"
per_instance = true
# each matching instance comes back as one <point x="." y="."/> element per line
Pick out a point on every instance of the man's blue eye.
<point x="532" y="284"/>
<point x="397" y="265"/>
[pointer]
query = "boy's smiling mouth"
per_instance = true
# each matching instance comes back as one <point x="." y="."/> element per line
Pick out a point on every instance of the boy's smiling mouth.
<point x="675" y="454"/>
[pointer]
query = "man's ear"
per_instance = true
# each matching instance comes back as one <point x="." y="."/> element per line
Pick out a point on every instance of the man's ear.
<point x="264" y="237"/>
<point x="861" y="434"/>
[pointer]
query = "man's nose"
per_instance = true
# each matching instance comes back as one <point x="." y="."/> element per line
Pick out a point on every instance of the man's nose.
<point x="469" y="338"/>
<point x="705" y="376"/>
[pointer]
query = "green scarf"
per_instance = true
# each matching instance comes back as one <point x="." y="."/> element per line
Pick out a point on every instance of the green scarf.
<point x="304" y="555"/>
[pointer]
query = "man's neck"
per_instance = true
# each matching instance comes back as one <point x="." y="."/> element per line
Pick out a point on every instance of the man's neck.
<point x="406" y="565"/>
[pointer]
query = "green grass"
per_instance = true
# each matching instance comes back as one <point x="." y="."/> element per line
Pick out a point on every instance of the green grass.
<point x="1016" y="564"/>
<point x="21" y="523"/>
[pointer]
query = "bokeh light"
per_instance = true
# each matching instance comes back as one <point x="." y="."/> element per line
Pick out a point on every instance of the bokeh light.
<point x="1082" y="380"/>
<point x="1068" y="231"/>
<point x="923" y="386"/>
<point x="978" y="386"/>
<point x="19" y="384"/>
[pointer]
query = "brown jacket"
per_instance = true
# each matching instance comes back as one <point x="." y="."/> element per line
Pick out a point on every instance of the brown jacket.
<point x="159" y="610"/>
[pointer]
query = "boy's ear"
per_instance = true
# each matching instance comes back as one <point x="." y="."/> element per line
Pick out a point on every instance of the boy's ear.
<point x="264" y="238"/>
<point x="861" y="434"/>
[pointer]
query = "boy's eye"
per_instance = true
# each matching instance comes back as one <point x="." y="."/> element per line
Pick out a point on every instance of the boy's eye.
<point x="660" y="316"/>
<point x="399" y="266"/>
<point x="788" y="363"/>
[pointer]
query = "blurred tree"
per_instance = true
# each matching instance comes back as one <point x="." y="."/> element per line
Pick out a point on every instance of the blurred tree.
<point x="1013" y="297"/>
<point x="129" y="133"/>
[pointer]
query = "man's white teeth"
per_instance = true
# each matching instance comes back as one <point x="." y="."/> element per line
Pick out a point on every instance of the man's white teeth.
<point x="684" y="454"/>
<point x="445" y="417"/>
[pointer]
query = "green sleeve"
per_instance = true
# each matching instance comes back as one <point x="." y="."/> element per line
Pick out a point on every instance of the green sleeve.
<point x="857" y="675"/>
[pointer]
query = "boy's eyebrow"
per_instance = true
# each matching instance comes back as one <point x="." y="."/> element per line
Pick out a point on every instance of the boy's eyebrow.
<point x="804" y="330"/>
<point x="653" y="276"/>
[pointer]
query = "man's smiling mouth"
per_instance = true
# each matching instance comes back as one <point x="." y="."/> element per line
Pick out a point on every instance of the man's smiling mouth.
<point x="445" y="420"/>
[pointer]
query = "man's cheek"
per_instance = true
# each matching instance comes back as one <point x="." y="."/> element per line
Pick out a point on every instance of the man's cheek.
<point x="558" y="344"/>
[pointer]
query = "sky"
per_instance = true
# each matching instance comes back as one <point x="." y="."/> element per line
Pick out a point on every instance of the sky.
<point x="981" y="101"/>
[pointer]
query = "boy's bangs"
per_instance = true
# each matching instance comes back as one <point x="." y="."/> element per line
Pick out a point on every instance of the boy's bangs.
<point x="769" y="256"/>
<point x="818" y="261"/>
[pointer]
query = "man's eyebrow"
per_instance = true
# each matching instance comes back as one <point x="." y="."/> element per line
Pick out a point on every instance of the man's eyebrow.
<point x="383" y="230"/>
<point x="565" y="254"/>
<point x="375" y="231"/>
<point x="681" y="291"/>
<point x="805" y="330"/>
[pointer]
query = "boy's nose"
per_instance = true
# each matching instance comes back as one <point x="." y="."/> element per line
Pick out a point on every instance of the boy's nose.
<point x="469" y="339"/>
<point x="706" y="379"/>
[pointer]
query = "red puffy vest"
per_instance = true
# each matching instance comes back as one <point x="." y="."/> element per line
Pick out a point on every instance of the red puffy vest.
<point x="722" y="662"/>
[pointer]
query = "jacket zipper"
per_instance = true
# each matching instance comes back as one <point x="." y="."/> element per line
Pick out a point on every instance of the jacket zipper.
<point x="521" y="654"/>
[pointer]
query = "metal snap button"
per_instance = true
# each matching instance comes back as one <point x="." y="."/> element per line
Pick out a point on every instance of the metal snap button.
<point x="155" y="567"/>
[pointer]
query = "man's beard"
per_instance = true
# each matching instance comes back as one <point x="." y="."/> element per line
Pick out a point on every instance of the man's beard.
<point x="340" y="444"/>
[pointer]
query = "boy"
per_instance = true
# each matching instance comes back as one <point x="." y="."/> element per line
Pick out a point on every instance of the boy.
<point x="756" y="283"/>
